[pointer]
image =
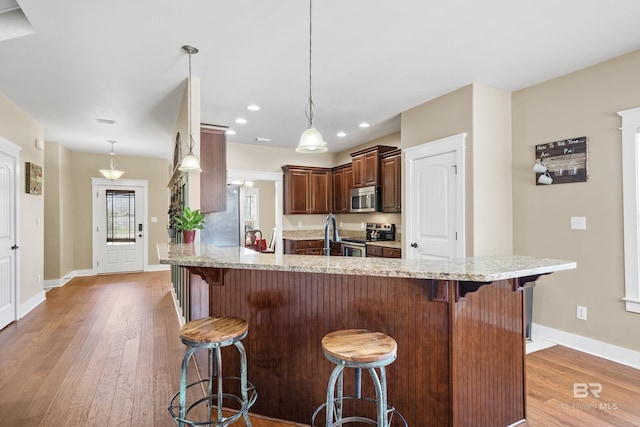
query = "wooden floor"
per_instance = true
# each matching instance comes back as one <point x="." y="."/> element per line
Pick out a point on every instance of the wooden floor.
<point x="104" y="351"/>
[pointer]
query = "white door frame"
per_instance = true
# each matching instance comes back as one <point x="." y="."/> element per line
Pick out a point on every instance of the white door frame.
<point x="454" y="143"/>
<point x="265" y="176"/>
<point x="13" y="150"/>
<point x="95" y="182"/>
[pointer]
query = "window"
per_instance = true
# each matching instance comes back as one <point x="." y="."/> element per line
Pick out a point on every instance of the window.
<point x="631" y="206"/>
<point x="250" y="208"/>
<point x="121" y="217"/>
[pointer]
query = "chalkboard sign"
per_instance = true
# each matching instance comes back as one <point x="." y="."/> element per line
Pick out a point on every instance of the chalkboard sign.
<point x="566" y="160"/>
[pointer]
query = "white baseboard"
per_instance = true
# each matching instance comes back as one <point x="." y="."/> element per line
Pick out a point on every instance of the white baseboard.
<point x="158" y="267"/>
<point x="57" y="283"/>
<point x="32" y="303"/>
<point x="176" y="305"/>
<point x="610" y="352"/>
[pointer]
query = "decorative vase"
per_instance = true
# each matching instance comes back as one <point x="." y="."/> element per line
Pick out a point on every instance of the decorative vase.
<point x="188" y="236"/>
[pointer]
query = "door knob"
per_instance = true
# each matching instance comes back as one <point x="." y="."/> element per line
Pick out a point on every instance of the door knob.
<point x="14" y="247"/>
<point x="414" y="245"/>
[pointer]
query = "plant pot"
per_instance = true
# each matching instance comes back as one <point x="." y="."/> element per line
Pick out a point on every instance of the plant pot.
<point x="188" y="236"/>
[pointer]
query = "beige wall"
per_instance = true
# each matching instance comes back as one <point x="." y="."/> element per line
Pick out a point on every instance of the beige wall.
<point x="17" y="127"/>
<point x="392" y="140"/>
<point x="260" y="158"/>
<point x="84" y="166"/>
<point x="58" y="203"/>
<point x="579" y="104"/>
<point x="267" y="208"/>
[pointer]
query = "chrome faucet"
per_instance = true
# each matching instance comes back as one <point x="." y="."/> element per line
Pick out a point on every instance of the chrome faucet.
<point x="330" y="220"/>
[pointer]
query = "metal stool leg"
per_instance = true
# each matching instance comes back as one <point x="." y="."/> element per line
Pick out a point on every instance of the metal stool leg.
<point x="380" y="386"/>
<point x="336" y="376"/>
<point x="243" y="380"/>
<point x="183" y="384"/>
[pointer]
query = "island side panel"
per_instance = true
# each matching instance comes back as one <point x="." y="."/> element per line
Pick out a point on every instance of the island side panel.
<point x="289" y="313"/>
<point x="488" y="356"/>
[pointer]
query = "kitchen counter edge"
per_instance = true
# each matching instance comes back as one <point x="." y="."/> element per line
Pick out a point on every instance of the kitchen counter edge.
<point x="476" y="269"/>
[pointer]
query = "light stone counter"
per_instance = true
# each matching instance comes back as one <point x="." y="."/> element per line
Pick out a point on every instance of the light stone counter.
<point x="478" y="269"/>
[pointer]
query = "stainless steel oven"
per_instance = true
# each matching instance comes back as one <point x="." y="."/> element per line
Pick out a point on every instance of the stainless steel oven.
<point x="352" y="247"/>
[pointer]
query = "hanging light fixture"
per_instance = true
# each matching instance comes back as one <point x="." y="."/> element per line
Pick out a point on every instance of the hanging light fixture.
<point x="190" y="162"/>
<point x="311" y="140"/>
<point x="112" y="173"/>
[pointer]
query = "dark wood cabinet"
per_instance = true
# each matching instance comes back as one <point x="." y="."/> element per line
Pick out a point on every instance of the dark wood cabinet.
<point x="366" y="165"/>
<point x="342" y="183"/>
<point x="390" y="181"/>
<point x="383" y="252"/>
<point x="304" y="247"/>
<point x="307" y="190"/>
<point x="213" y="179"/>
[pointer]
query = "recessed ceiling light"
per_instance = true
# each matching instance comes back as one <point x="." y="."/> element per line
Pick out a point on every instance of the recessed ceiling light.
<point x="258" y="139"/>
<point x="253" y="107"/>
<point x="230" y="132"/>
<point x="341" y="134"/>
<point x="106" y="121"/>
<point x="364" y="125"/>
<point x="241" y="121"/>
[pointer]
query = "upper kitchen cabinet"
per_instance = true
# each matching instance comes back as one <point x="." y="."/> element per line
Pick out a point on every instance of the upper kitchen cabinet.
<point x="366" y="165"/>
<point x="307" y="190"/>
<point x="342" y="184"/>
<point x="213" y="179"/>
<point x="390" y="180"/>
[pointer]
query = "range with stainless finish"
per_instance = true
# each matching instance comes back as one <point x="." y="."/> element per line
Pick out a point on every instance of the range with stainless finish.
<point x="375" y="233"/>
<point x="365" y="199"/>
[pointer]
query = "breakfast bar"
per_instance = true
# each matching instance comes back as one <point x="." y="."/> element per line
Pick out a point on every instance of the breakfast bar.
<point x="459" y="325"/>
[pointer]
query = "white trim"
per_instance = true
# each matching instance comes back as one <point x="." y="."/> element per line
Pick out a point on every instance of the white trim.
<point x="158" y="267"/>
<point x="453" y="143"/>
<point x="610" y="352"/>
<point x="176" y="305"/>
<point x="58" y="283"/>
<point x="631" y="206"/>
<point x="265" y="176"/>
<point x="144" y="183"/>
<point x="32" y="303"/>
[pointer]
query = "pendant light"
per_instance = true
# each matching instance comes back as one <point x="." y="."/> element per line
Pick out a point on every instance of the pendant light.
<point x="112" y="173"/>
<point x="311" y="140"/>
<point x="190" y="162"/>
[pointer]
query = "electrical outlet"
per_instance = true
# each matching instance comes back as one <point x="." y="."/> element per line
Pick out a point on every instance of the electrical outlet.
<point x="578" y="222"/>
<point x="581" y="312"/>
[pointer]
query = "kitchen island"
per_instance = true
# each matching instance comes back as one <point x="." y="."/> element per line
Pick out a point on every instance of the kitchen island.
<point x="459" y="325"/>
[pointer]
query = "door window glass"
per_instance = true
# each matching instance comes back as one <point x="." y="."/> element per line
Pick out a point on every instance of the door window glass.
<point x="121" y="217"/>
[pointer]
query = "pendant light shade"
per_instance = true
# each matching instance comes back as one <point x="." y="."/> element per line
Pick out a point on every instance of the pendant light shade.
<point x="311" y="140"/>
<point x="190" y="162"/>
<point x="112" y="173"/>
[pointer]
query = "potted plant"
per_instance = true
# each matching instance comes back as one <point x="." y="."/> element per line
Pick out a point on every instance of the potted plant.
<point x="188" y="223"/>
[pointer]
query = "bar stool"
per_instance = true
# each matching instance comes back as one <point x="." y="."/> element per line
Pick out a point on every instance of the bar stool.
<point x="358" y="349"/>
<point x="213" y="333"/>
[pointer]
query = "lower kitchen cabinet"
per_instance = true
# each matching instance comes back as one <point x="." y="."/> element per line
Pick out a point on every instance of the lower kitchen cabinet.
<point x="383" y="252"/>
<point x="304" y="247"/>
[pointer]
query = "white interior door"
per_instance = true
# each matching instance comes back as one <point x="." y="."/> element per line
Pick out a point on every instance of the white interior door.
<point x="435" y="199"/>
<point x="8" y="245"/>
<point x="119" y="227"/>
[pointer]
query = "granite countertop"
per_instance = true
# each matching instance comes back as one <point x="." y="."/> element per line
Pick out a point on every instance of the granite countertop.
<point x="480" y="269"/>
<point x="386" y="244"/>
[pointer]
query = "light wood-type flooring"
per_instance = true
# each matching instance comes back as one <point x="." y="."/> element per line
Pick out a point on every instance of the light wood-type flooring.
<point x="105" y="351"/>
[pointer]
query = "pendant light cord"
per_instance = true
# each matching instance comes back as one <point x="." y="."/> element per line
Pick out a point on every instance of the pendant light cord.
<point x="189" y="107"/>
<point x="310" y="107"/>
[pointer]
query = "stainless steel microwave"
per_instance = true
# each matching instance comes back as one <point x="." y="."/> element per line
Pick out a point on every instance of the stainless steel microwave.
<point x="365" y="199"/>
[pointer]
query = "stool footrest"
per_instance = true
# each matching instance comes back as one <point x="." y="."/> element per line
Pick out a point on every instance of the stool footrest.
<point x="391" y="411"/>
<point x="211" y="401"/>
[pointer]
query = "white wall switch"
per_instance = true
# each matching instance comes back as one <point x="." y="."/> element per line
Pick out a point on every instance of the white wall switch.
<point x="154" y="219"/>
<point x="578" y="222"/>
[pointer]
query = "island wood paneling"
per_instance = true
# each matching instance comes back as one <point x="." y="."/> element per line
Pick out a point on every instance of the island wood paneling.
<point x="459" y="363"/>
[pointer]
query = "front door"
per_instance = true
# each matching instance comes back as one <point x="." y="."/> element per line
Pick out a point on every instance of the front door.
<point x="435" y="194"/>
<point x="119" y="227"/>
<point x="8" y="245"/>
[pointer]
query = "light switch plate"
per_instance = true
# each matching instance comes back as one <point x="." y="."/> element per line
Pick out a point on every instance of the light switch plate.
<point x="578" y="222"/>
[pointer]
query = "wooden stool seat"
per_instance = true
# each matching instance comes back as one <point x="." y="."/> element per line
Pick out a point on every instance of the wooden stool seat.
<point x="222" y="330"/>
<point x="359" y="345"/>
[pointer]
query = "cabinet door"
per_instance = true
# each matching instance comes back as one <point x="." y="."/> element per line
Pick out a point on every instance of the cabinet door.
<point x="296" y="191"/>
<point x="391" y="253"/>
<point x="320" y="186"/>
<point x="374" y="251"/>
<point x="357" y="164"/>
<point x="391" y="184"/>
<point x="338" y="192"/>
<point x="348" y="185"/>
<point x="370" y="173"/>
<point x="213" y="179"/>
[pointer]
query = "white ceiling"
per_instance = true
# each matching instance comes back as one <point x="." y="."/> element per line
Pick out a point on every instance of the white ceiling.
<point x="372" y="59"/>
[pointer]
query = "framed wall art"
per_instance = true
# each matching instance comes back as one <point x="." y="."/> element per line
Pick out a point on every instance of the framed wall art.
<point x="34" y="180"/>
<point x="565" y="161"/>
